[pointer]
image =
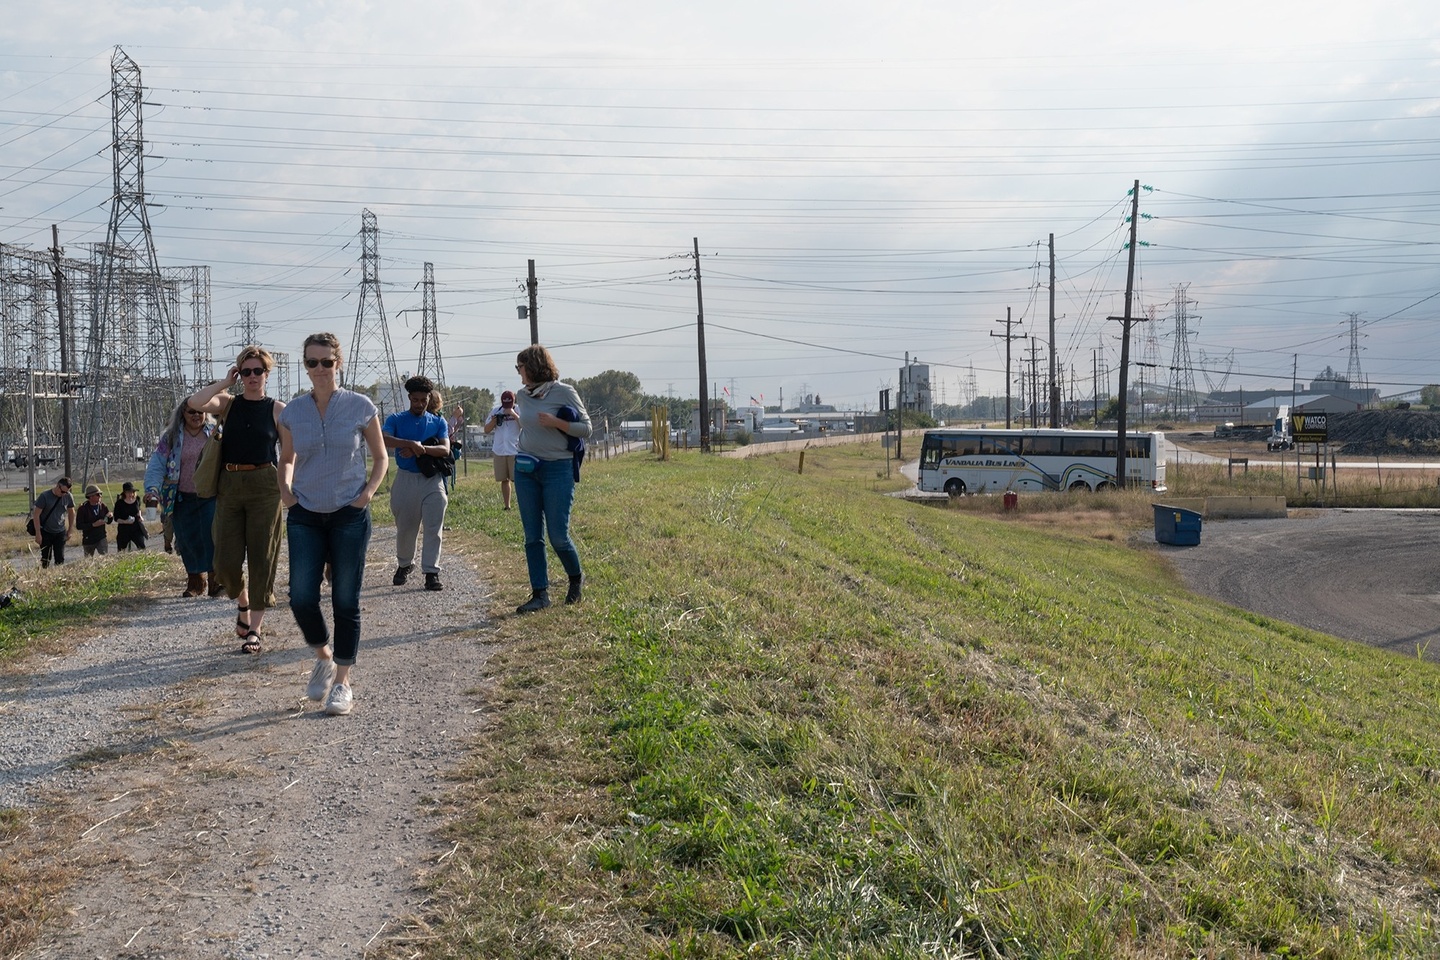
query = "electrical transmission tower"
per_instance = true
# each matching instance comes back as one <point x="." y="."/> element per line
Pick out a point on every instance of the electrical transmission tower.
<point x="370" y="358"/>
<point x="132" y="357"/>
<point x="1352" y="372"/>
<point x="248" y="329"/>
<point x="1182" y="370"/>
<point x="430" y="330"/>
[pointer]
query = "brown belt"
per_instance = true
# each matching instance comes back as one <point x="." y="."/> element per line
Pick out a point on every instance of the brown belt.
<point x="242" y="467"/>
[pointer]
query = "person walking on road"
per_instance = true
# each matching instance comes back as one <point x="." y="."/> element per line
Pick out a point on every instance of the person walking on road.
<point x="170" y="480"/>
<point x="323" y="483"/>
<point x="93" y="518"/>
<point x="551" y="416"/>
<point x="129" y="525"/>
<point x="503" y="426"/>
<point x="417" y="498"/>
<point x="246" y="530"/>
<point x="53" y="515"/>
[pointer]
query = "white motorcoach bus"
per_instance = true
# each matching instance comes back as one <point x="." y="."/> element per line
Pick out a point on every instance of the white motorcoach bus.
<point x="963" y="461"/>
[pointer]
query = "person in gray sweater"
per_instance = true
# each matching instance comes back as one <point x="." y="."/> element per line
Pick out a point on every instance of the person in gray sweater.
<point x="552" y="420"/>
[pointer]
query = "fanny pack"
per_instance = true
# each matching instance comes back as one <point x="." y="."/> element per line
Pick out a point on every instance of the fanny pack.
<point x="524" y="463"/>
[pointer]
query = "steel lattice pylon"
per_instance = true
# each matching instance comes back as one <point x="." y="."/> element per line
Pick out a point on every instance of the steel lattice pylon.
<point x="370" y="358"/>
<point x="132" y="356"/>
<point x="1352" y="372"/>
<point x="431" y="364"/>
<point x="1182" y="369"/>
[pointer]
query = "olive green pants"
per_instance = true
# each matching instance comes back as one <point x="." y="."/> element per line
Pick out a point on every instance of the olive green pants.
<point x="247" y="533"/>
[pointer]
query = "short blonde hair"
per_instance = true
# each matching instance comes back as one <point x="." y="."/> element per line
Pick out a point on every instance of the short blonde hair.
<point x="255" y="352"/>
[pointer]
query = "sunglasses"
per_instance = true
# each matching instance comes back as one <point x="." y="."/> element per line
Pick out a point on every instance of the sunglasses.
<point x="520" y="367"/>
<point x="92" y="494"/>
<point x="312" y="363"/>
<point x="194" y="413"/>
<point x="253" y="372"/>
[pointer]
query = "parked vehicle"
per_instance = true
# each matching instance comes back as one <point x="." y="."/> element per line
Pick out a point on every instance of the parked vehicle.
<point x="963" y="461"/>
<point x="1280" y="436"/>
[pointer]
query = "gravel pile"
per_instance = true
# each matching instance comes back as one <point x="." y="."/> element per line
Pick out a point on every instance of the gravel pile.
<point x="1386" y="433"/>
<point x="225" y="815"/>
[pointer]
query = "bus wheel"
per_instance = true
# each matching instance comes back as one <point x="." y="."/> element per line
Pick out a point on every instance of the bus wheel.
<point x="955" y="487"/>
<point x="1079" y="485"/>
<point x="1104" y="485"/>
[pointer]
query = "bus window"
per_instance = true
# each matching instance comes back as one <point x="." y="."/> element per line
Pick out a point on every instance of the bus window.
<point x="1042" y="446"/>
<point x="1137" y="447"/>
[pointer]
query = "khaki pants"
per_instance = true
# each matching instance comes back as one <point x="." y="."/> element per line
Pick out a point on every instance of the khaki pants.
<point x="247" y="534"/>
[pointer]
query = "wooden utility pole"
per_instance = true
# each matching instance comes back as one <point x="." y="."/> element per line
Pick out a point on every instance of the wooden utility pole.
<point x="1095" y="385"/>
<point x="700" y="336"/>
<point x="1008" y="337"/>
<point x="1126" y="321"/>
<point x="1054" y="381"/>
<point x="532" y="287"/>
<point x="55" y="252"/>
<point x="1034" y="381"/>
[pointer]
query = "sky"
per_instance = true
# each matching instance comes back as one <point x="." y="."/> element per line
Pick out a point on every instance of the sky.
<point x="865" y="182"/>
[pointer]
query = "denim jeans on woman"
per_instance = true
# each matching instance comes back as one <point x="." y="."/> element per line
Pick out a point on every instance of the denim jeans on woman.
<point x="544" y="496"/>
<point x="339" y="539"/>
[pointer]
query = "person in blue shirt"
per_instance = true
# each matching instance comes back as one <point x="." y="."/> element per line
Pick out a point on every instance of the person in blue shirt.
<point x="417" y="497"/>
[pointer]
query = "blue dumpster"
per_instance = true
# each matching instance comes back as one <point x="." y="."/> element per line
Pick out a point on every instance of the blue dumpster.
<point x="1176" y="525"/>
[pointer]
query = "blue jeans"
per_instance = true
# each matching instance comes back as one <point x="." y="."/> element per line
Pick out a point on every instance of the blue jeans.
<point x="544" y="497"/>
<point x="191" y="518"/>
<point x="339" y="539"/>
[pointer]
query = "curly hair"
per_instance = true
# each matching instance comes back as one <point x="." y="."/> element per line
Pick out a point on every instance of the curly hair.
<point x="539" y="366"/>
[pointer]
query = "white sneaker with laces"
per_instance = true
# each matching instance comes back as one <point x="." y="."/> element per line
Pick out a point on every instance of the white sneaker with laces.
<point x="320" y="679"/>
<point x="340" y="700"/>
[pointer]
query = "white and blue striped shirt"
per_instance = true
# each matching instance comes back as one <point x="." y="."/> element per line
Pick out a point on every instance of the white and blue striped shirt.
<point x="330" y="461"/>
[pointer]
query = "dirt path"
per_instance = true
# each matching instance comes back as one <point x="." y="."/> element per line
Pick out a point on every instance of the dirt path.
<point x="216" y="812"/>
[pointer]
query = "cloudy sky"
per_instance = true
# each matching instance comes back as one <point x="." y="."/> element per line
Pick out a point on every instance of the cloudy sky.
<point x="865" y="180"/>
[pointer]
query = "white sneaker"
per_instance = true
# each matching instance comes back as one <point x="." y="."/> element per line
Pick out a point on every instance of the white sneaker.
<point x="340" y="700"/>
<point x="320" y="679"/>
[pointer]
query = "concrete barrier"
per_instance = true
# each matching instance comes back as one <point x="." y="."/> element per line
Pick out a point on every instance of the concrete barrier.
<point x="1230" y="508"/>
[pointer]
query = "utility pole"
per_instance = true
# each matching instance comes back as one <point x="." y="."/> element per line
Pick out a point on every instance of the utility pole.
<point x="55" y="251"/>
<point x="1054" y="383"/>
<point x="1034" y="382"/>
<point x="1127" y="320"/>
<point x="1008" y="336"/>
<point x="1095" y="385"/>
<point x="700" y="337"/>
<point x="532" y="287"/>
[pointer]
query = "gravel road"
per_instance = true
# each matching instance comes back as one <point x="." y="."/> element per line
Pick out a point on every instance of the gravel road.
<point x="1366" y="575"/>
<point x="220" y="812"/>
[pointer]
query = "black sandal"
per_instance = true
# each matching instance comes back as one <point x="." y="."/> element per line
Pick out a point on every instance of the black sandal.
<point x="251" y="644"/>
<point x="242" y="627"/>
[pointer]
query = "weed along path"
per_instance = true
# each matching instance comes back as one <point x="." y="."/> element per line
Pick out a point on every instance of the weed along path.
<point x="182" y="800"/>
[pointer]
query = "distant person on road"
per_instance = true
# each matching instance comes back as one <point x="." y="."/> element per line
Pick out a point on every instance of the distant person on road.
<point x="504" y="424"/>
<point x="129" y="527"/>
<point x="324" y="438"/>
<point x="170" y="479"/>
<point x="551" y="415"/>
<point x="93" y="518"/>
<point x="246" y="530"/>
<point x="417" y="500"/>
<point x="457" y="440"/>
<point x="54" y="515"/>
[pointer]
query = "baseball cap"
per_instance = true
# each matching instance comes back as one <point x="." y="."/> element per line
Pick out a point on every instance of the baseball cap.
<point x="507" y="399"/>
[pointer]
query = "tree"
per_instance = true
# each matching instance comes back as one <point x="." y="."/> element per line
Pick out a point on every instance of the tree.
<point x="614" y="394"/>
<point x="1430" y="394"/>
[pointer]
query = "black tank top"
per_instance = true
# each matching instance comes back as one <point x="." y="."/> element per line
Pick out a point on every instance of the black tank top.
<point x="250" y="435"/>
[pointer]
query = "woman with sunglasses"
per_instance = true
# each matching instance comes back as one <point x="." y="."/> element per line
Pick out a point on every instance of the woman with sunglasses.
<point x="170" y="478"/>
<point x="246" y="530"/>
<point x="326" y="488"/>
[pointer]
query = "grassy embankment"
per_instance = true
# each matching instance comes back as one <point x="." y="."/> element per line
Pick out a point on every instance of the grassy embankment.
<point x="796" y="717"/>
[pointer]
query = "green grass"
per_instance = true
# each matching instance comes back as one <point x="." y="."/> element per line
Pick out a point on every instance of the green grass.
<point x="60" y="598"/>
<point x="796" y="718"/>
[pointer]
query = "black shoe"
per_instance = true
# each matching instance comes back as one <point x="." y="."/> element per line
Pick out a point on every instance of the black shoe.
<point x="573" y="594"/>
<point x="402" y="574"/>
<point x="432" y="582"/>
<point x="539" y="600"/>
